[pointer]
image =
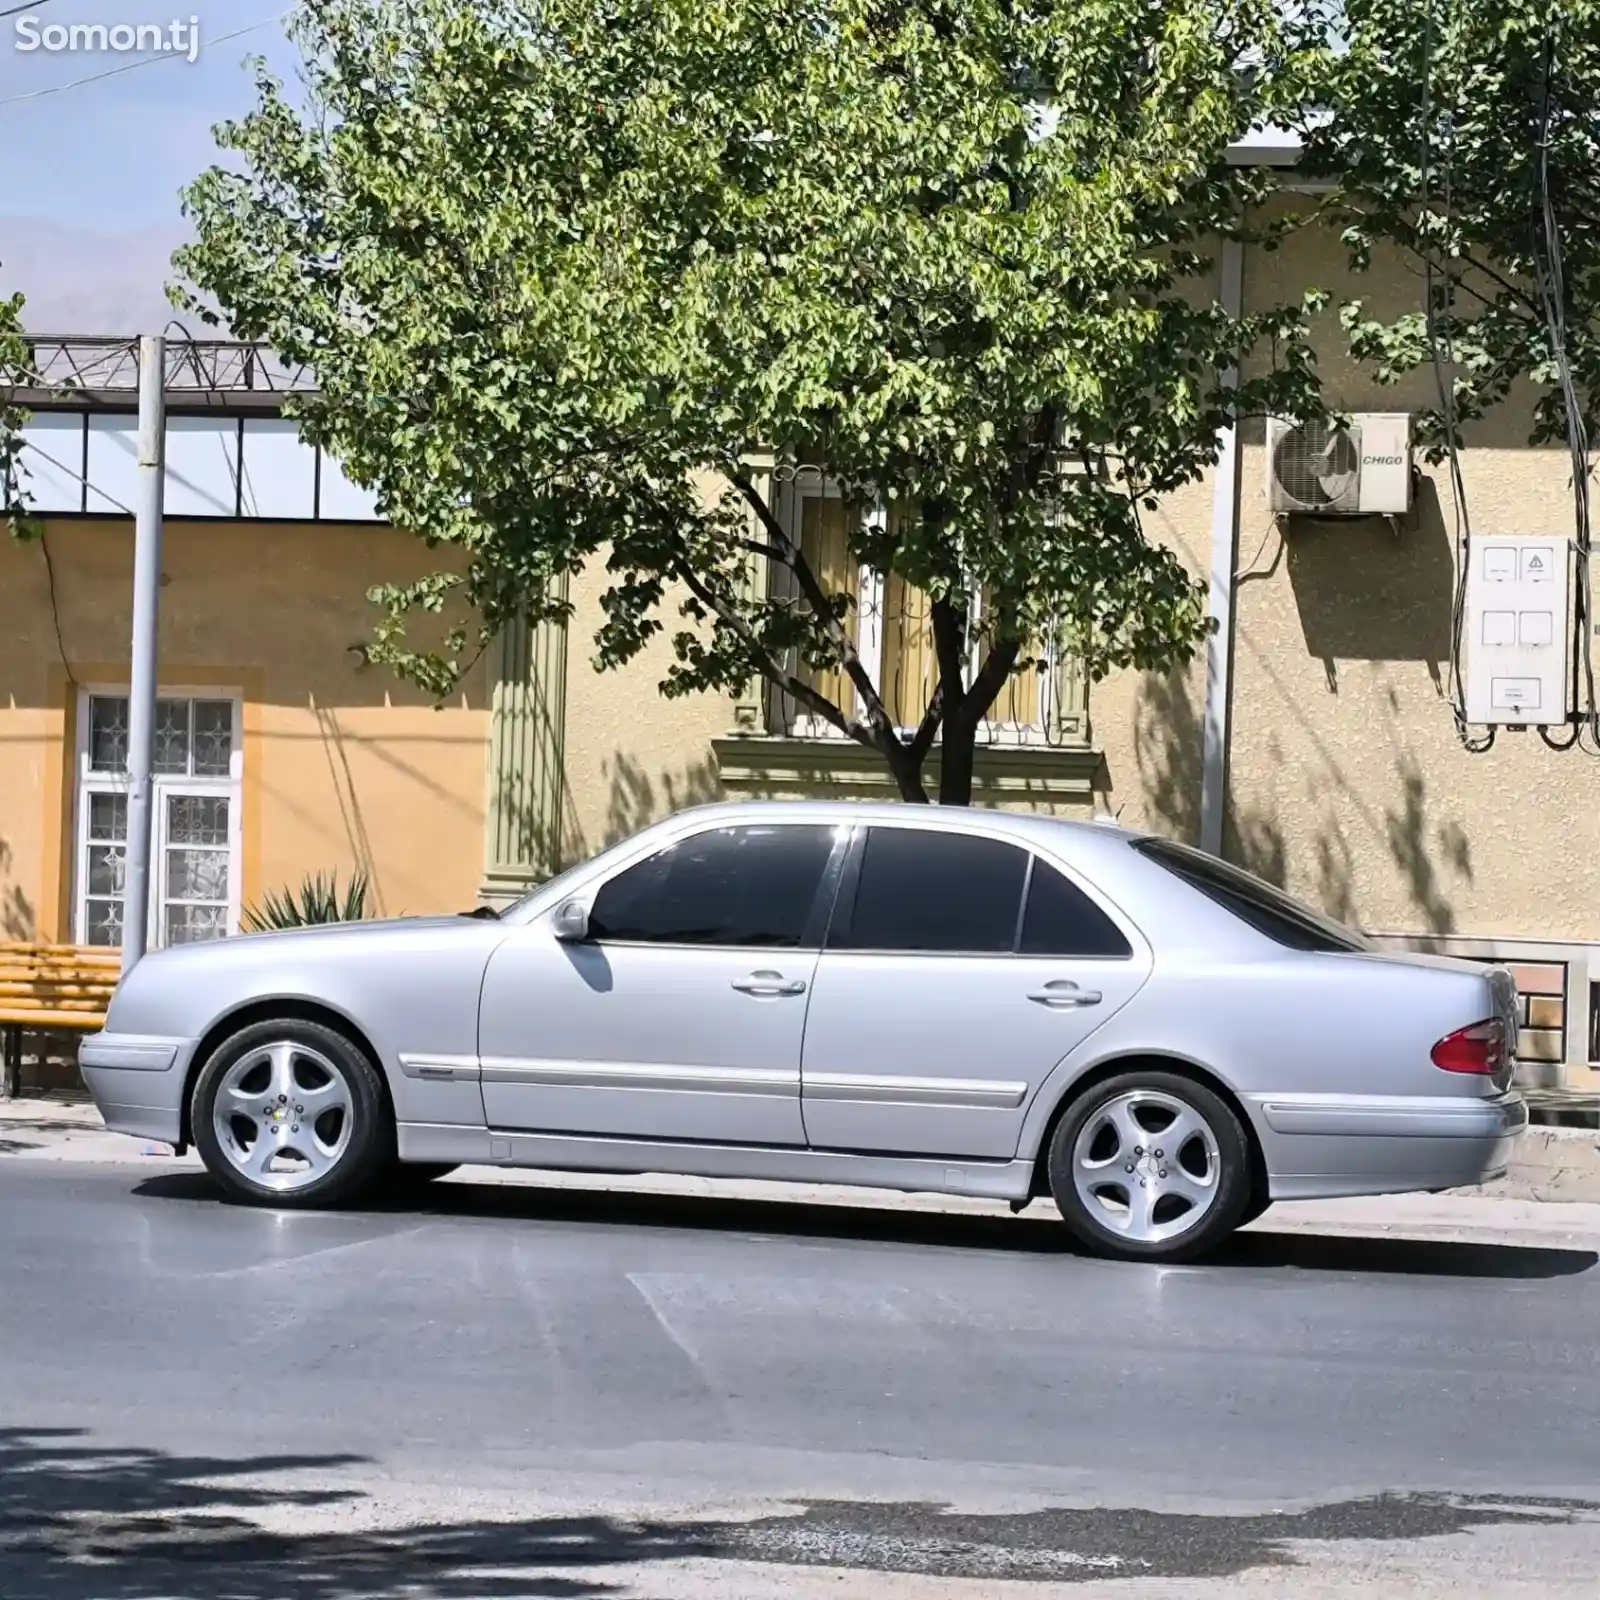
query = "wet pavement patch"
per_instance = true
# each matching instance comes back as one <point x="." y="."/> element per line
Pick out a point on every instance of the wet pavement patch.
<point x="1060" y="1545"/>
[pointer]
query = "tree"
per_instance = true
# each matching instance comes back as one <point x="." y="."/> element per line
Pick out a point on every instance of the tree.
<point x="559" y="265"/>
<point x="14" y="367"/>
<point x="1463" y="133"/>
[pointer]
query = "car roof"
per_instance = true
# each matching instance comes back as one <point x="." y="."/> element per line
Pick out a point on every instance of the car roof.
<point x="980" y="819"/>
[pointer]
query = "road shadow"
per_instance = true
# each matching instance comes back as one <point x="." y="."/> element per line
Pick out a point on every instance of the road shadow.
<point x="81" y="1521"/>
<point x="1036" y="1232"/>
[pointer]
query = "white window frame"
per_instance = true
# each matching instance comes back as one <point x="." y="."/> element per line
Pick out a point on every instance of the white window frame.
<point x="786" y="716"/>
<point x="164" y="786"/>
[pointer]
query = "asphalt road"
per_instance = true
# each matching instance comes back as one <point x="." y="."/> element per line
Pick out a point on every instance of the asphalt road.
<point x="509" y="1391"/>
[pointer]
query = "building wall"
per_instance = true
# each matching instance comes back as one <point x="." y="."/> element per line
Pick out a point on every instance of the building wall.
<point x="343" y="767"/>
<point x="632" y="755"/>
<point x="1348" y="782"/>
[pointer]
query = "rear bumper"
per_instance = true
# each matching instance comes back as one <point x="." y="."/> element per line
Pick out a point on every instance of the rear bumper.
<point x="137" y="1082"/>
<point x="1320" y="1146"/>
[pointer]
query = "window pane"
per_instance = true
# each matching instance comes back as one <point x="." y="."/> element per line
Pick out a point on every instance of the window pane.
<point x="197" y="819"/>
<point x="1269" y="911"/>
<point x="108" y="816"/>
<point x="192" y="924"/>
<point x="104" y="922"/>
<point x="171" y="752"/>
<point x="824" y="521"/>
<point x="213" y="737"/>
<point x="922" y="890"/>
<point x="108" y="733"/>
<point x="197" y="875"/>
<point x="909" y="669"/>
<point x="1061" y="920"/>
<point x="108" y="864"/>
<point x="733" y="886"/>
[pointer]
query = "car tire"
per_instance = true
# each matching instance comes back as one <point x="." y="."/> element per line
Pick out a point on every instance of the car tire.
<point x="314" y="1093"/>
<point x="1118" y="1133"/>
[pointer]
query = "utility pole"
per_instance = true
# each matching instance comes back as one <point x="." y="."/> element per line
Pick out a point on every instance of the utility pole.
<point x="144" y="671"/>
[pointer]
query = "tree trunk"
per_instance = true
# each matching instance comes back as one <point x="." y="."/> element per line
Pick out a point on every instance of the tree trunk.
<point x="958" y="747"/>
<point x="906" y="770"/>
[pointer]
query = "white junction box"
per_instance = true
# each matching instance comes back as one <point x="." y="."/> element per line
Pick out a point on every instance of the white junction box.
<point x="1517" y="630"/>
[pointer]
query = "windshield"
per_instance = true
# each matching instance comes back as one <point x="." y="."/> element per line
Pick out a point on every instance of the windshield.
<point x="1268" y="910"/>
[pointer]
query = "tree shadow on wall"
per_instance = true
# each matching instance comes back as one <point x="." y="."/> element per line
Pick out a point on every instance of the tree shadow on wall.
<point x="1169" y="743"/>
<point x="637" y="799"/>
<point x="18" y="918"/>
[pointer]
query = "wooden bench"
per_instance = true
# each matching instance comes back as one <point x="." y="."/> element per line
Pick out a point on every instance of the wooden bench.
<point x="51" y="987"/>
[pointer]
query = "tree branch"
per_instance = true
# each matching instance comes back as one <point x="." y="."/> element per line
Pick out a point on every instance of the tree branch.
<point x="787" y="681"/>
<point x="997" y="666"/>
<point x="947" y="641"/>
<point x="877" y="715"/>
<point x="922" y="739"/>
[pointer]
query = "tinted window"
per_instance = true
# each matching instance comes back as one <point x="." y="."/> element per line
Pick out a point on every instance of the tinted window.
<point x="921" y="890"/>
<point x="1061" y="920"/>
<point x="738" y="886"/>
<point x="1270" y="911"/>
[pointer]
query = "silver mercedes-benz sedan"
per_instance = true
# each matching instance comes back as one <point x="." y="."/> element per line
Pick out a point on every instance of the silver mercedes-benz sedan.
<point x="945" y="1001"/>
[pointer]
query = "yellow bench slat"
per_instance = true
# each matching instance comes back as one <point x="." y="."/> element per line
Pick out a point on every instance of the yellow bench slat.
<point x="83" y="1021"/>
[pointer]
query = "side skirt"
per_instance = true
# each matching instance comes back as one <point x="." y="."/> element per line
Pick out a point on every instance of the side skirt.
<point x="563" y="1152"/>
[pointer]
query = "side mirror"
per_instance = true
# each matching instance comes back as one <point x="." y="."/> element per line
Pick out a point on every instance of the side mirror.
<point x="571" y="922"/>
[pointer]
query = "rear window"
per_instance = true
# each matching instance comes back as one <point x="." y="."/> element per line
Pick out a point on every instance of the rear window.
<point x="1269" y="911"/>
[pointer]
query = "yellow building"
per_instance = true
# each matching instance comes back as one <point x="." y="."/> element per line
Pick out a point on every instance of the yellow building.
<point x="1314" y="741"/>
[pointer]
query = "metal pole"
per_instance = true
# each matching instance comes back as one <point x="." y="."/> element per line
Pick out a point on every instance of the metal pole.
<point x="144" y="670"/>
<point x="1215" y="726"/>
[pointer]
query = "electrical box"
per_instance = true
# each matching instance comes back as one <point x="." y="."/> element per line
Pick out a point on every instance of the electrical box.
<point x="1360" y="471"/>
<point x="1516" y="630"/>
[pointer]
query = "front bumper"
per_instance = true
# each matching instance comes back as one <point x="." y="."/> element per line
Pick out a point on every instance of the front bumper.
<point x="137" y="1082"/>
<point x="1321" y="1146"/>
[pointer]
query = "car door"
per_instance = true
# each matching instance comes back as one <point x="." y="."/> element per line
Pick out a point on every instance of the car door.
<point x="959" y="970"/>
<point x="681" y="1015"/>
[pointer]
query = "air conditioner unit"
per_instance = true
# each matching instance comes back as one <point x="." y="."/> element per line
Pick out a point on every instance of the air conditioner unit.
<point x="1361" y="471"/>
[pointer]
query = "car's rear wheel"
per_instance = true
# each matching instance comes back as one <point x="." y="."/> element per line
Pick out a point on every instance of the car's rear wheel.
<point x="291" y="1113"/>
<point x="1150" y="1166"/>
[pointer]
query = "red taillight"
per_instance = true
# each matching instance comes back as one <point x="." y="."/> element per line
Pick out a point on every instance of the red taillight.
<point x="1480" y="1049"/>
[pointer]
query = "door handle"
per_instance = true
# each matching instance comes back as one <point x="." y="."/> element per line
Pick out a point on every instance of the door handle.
<point x="1064" y="992"/>
<point x="768" y="983"/>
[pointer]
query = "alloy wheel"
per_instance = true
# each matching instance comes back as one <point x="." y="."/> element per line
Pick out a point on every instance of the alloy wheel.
<point x="284" y="1114"/>
<point x="1146" y="1165"/>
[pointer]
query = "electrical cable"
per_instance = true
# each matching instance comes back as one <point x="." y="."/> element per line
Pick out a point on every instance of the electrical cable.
<point x="143" y="61"/>
<point x="1550" y="275"/>
<point x="1441" y="356"/>
<point x="27" y="5"/>
<point x="55" y="606"/>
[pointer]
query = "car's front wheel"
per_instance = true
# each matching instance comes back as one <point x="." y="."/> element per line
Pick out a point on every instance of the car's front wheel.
<point x="1150" y="1166"/>
<point x="291" y="1113"/>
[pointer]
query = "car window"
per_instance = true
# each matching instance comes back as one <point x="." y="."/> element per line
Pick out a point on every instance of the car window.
<point x="1061" y="920"/>
<point x="728" y="886"/>
<point x="928" y="891"/>
<point x="1270" y="911"/>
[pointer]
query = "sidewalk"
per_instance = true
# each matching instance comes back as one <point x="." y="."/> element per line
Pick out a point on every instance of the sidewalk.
<point x="1551" y="1198"/>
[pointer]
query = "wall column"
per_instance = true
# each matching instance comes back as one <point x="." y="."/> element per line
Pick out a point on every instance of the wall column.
<point x="523" y="825"/>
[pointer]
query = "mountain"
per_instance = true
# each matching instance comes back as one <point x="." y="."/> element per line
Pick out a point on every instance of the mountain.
<point x="82" y="282"/>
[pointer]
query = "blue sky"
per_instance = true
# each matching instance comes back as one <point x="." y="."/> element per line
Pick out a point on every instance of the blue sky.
<point x="112" y="155"/>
